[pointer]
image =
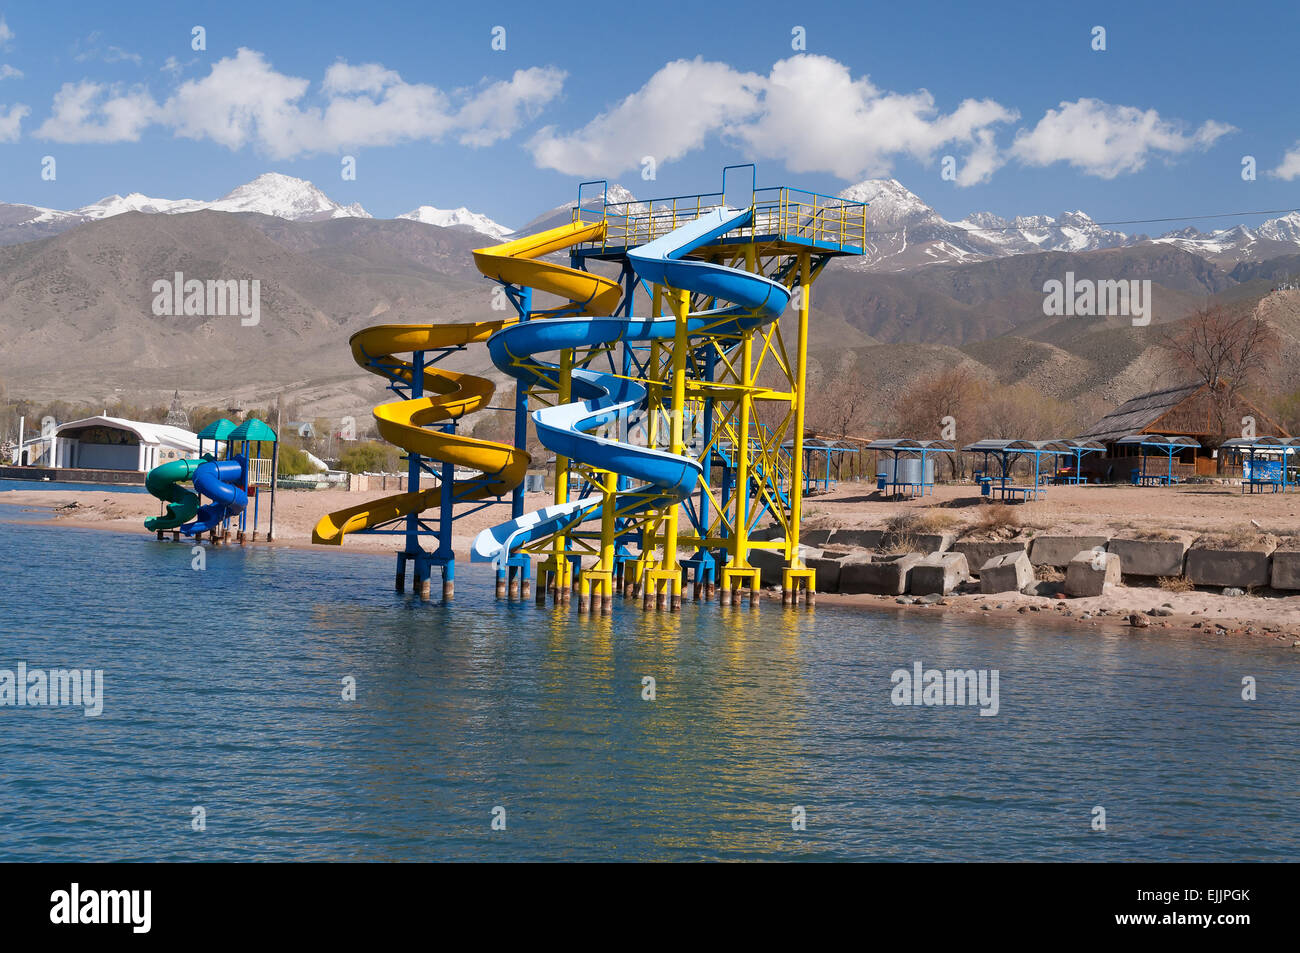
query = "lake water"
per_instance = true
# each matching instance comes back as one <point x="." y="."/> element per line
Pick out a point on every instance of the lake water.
<point x="222" y="690"/>
<point x="9" y="485"/>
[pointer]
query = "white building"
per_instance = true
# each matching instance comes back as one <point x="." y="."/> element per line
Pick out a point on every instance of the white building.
<point x="112" y="443"/>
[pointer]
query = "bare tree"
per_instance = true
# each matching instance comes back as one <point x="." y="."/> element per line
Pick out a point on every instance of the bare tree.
<point x="924" y="411"/>
<point x="1227" y="350"/>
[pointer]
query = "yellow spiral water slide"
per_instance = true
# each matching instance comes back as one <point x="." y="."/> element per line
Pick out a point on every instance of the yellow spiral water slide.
<point x="449" y="395"/>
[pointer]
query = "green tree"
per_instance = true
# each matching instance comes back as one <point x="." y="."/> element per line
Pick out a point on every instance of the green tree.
<point x="368" y="457"/>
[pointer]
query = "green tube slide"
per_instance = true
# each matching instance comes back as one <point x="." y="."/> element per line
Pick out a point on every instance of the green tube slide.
<point x="164" y="482"/>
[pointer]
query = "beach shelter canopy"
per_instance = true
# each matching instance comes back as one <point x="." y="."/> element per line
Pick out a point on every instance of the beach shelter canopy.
<point x="1157" y="440"/>
<point x="1267" y="472"/>
<point x="908" y="445"/>
<point x="1008" y="450"/>
<point x="1147" y="442"/>
<point x="1283" y="445"/>
<point x="1076" y="445"/>
<point x="1009" y="446"/>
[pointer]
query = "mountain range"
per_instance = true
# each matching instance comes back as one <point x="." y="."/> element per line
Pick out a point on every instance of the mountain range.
<point x="903" y="231"/>
<point x="77" y="325"/>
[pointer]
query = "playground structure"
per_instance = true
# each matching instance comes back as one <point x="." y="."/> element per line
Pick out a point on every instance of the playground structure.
<point x="673" y="404"/>
<point x="231" y="474"/>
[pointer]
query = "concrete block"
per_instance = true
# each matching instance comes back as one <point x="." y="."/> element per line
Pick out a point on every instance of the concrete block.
<point x="1057" y="551"/>
<point x="1210" y="566"/>
<point x="815" y="537"/>
<point x="977" y="553"/>
<point x="857" y="538"/>
<point x="1286" y="569"/>
<point x="1008" y="572"/>
<point x="1150" y="557"/>
<point x="1090" y="572"/>
<point x="938" y="573"/>
<point x="883" y="576"/>
<point x="827" y="568"/>
<point x="770" y="563"/>
<point x="918" y="542"/>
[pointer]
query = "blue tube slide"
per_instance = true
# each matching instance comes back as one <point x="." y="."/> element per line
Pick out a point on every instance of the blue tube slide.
<point x="607" y="398"/>
<point x="223" y="483"/>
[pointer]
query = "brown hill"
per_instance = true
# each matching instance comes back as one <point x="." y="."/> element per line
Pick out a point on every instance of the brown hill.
<point x="77" y="324"/>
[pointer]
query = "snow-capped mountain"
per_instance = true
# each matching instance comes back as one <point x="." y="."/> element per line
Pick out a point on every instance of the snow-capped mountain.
<point x="281" y="196"/>
<point x="563" y="214"/>
<point x="1277" y="236"/>
<point x="284" y="196"/>
<point x="462" y="217"/>
<point x="904" y="232"/>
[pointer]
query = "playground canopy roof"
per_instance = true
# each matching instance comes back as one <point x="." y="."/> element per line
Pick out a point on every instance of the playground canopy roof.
<point x="1157" y="440"/>
<point x="253" y="429"/>
<point x="908" y="445"/>
<point x="217" y="430"/>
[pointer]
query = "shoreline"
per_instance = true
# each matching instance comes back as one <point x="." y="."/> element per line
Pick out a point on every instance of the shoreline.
<point x="1107" y="613"/>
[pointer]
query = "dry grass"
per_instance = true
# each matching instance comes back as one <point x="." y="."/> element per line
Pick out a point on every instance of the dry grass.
<point x="996" y="518"/>
<point x="1049" y="574"/>
<point x="913" y="523"/>
<point x="1242" y="537"/>
<point x="1153" y="534"/>
<point x="1175" y="584"/>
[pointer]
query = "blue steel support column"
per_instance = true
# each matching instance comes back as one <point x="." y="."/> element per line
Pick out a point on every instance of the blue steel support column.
<point x="414" y="551"/>
<point x="705" y="573"/>
<point x="622" y="482"/>
<point x="445" y="556"/>
<point x="519" y="565"/>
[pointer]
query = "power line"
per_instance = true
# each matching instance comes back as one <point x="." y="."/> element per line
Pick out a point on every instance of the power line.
<point x="1129" y="221"/>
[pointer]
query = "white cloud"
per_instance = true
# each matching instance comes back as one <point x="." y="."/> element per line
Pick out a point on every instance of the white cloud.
<point x="244" y="101"/>
<point x="817" y="117"/>
<point x="1289" y="169"/>
<point x="11" y="121"/>
<point x="93" y="112"/>
<point x="808" y="111"/>
<point x="672" y="114"/>
<point x="497" y="109"/>
<point x="89" y="49"/>
<point x="10" y="72"/>
<point x="6" y="34"/>
<point x="1105" y="140"/>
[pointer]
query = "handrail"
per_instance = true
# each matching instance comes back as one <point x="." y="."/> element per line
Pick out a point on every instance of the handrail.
<point x="810" y="216"/>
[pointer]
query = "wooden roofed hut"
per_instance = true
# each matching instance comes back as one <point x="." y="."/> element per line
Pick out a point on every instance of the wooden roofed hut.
<point x="1189" y="410"/>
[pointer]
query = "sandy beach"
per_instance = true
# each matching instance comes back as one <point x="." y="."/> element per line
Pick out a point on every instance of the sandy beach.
<point x="1101" y="510"/>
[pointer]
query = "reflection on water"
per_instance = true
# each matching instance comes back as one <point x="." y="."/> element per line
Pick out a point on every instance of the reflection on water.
<point x="223" y="689"/>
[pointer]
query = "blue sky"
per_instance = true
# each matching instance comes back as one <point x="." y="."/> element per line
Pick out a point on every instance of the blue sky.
<point x="1036" y="120"/>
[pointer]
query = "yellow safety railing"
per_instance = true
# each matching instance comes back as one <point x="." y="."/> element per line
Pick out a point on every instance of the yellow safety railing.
<point x="806" y="217"/>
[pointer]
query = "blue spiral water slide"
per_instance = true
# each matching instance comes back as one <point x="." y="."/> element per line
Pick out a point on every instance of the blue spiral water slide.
<point x="604" y="398"/>
<point x="221" y="481"/>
